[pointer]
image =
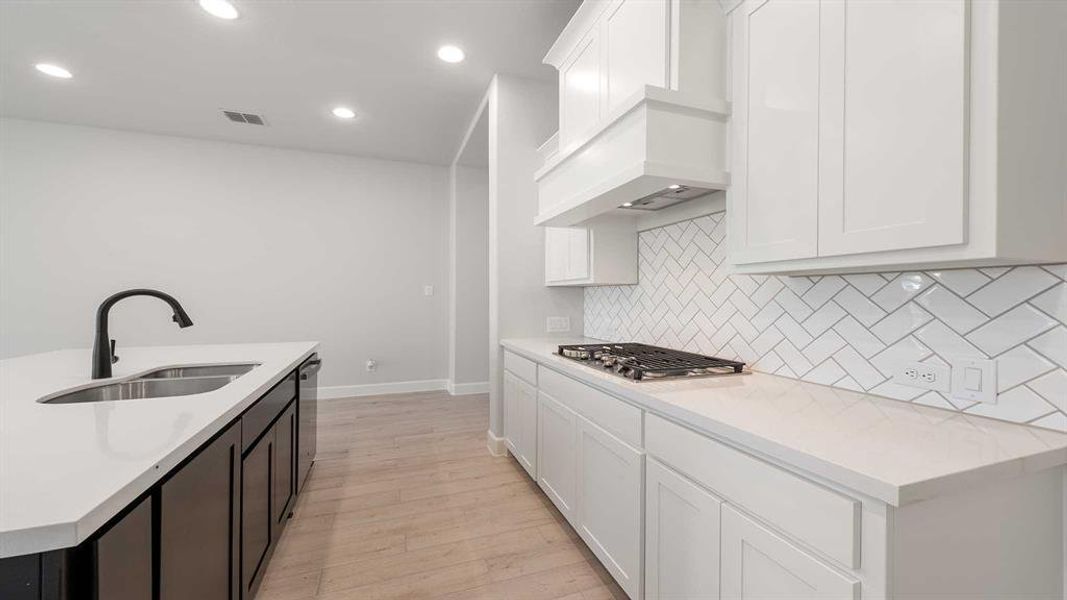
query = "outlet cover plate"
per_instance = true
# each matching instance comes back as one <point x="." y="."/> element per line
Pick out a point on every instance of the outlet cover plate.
<point x="974" y="379"/>
<point x="558" y="324"/>
<point x="927" y="376"/>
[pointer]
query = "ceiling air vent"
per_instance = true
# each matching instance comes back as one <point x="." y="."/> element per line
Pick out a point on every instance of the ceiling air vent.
<point x="240" y="117"/>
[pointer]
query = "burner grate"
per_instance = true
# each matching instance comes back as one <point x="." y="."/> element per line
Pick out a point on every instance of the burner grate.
<point x="640" y="361"/>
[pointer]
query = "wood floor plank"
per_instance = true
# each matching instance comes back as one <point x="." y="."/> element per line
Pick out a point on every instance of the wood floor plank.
<point x="404" y="501"/>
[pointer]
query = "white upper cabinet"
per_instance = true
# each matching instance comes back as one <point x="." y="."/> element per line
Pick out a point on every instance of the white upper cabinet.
<point x="601" y="253"/>
<point x="776" y="116"/>
<point x="635" y="46"/>
<point x="884" y="135"/>
<point x="642" y="106"/>
<point x="579" y="90"/>
<point x="893" y="138"/>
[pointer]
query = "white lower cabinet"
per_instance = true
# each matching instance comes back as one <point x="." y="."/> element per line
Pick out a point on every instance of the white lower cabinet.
<point x="557" y="435"/>
<point x="610" y="498"/>
<point x="520" y="421"/>
<point x="757" y="564"/>
<point x="674" y="513"/>
<point x="681" y="537"/>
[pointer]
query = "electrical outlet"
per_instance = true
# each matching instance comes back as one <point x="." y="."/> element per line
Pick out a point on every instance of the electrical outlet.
<point x="558" y="324"/>
<point x="927" y="376"/>
<point x="427" y="290"/>
<point x="974" y="379"/>
<point x="372" y="365"/>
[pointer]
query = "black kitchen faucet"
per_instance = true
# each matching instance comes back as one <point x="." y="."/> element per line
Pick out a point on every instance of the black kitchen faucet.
<point x="104" y="346"/>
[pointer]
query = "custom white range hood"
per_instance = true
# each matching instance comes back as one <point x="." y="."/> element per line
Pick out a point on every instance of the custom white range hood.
<point x="643" y="122"/>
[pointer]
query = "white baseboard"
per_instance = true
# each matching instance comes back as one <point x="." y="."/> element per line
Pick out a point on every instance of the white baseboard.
<point x="462" y="389"/>
<point x="497" y="445"/>
<point x="375" y="389"/>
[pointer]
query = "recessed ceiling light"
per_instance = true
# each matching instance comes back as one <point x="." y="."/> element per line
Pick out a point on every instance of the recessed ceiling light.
<point x="342" y="112"/>
<point x="220" y="8"/>
<point x="53" y="70"/>
<point x="451" y="54"/>
<point x="627" y="204"/>
<point x="673" y="186"/>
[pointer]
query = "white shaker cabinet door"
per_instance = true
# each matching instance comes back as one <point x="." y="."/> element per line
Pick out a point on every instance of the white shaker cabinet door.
<point x="681" y="537"/>
<point x="757" y="564"/>
<point x="774" y="198"/>
<point x="610" y="503"/>
<point x="520" y="421"/>
<point x="557" y="253"/>
<point x="511" y="412"/>
<point x="557" y="435"/>
<point x="567" y="255"/>
<point x="635" y="48"/>
<point x="893" y="155"/>
<point x="580" y="83"/>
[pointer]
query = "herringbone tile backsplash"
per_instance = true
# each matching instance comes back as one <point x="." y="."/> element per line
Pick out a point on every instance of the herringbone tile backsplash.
<point x="848" y="331"/>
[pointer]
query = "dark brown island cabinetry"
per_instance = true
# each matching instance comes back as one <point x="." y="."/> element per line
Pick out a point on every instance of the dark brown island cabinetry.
<point x="199" y="518"/>
<point x="206" y="530"/>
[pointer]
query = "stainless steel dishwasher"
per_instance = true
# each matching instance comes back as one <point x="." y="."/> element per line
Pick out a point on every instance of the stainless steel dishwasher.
<point x="307" y="415"/>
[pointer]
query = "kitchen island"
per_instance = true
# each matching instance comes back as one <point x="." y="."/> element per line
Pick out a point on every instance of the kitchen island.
<point x="71" y="473"/>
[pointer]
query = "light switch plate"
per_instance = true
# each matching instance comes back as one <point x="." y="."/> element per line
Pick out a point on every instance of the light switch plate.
<point x="974" y="379"/>
<point x="558" y="324"/>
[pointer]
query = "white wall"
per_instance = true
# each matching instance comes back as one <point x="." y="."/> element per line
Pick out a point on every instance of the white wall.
<point x="522" y="115"/>
<point x="259" y="244"/>
<point x="469" y="369"/>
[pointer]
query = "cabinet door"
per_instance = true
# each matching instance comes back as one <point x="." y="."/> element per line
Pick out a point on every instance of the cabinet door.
<point x="284" y="476"/>
<point x="122" y="557"/>
<point x="557" y="253"/>
<point x="257" y="520"/>
<point x="520" y="421"/>
<point x="557" y="433"/>
<point x="758" y="564"/>
<point x="511" y="412"/>
<point x="681" y="537"/>
<point x="635" y="48"/>
<point x="527" y="445"/>
<point x="774" y="197"/>
<point x="567" y="254"/>
<point x="579" y="90"/>
<point x="894" y="133"/>
<point x="198" y="524"/>
<point x="609" y="503"/>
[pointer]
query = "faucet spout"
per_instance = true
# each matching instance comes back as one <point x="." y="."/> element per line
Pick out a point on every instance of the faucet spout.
<point x="104" y="346"/>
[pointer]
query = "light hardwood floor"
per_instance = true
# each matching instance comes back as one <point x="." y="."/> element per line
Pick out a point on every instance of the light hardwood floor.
<point x="405" y="501"/>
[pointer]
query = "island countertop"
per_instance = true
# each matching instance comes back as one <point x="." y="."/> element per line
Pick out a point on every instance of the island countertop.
<point x="894" y="451"/>
<point x="66" y="469"/>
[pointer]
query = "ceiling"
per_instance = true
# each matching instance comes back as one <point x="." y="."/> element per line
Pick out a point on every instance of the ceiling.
<point x="169" y="67"/>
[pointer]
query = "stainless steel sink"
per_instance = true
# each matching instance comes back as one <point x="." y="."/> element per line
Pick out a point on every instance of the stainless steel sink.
<point x="161" y="383"/>
<point x="200" y="371"/>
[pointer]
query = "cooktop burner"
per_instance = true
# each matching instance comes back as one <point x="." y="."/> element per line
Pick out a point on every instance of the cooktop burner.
<point x="641" y="361"/>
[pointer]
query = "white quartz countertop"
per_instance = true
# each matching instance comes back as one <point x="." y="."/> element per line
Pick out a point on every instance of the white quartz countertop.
<point x="66" y="469"/>
<point x="890" y="450"/>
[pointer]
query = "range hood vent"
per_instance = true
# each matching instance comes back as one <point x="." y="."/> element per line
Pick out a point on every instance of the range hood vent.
<point x="242" y="117"/>
<point x="674" y="194"/>
<point x="659" y="149"/>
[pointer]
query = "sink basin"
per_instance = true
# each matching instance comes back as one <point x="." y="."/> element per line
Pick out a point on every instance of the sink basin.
<point x="161" y="383"/>
<point x="200" y="371"/>
<point x="142" y="388"/>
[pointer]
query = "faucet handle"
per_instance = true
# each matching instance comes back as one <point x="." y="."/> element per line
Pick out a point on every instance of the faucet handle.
<point x="114" y="359"/>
